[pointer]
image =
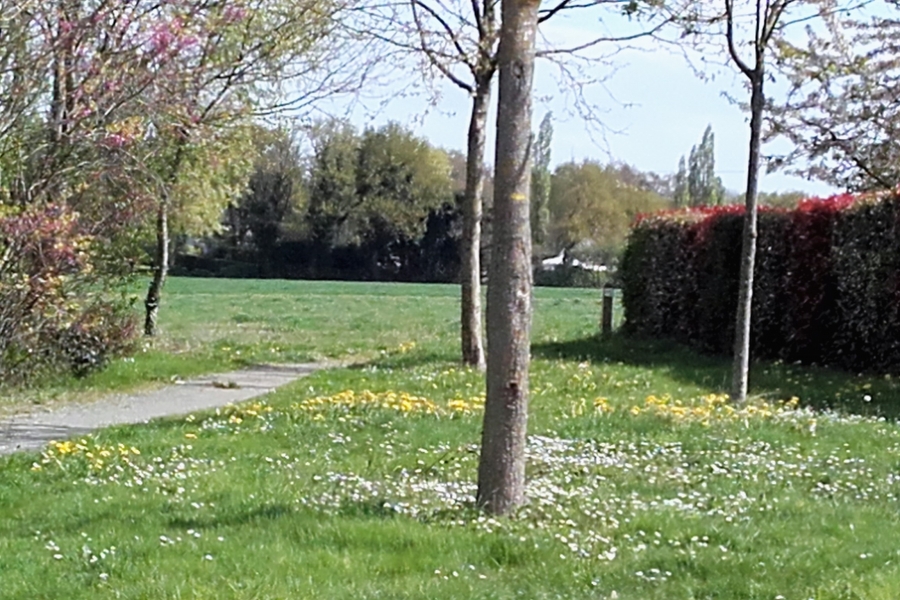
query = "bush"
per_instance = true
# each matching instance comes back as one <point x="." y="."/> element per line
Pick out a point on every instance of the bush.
<point x="569" y="276"/>
<point x="54" y="313"/>
<point x="826" y="287"/>
<point x="103" y="331"/>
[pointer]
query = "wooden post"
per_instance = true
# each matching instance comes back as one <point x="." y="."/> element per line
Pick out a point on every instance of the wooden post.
<point x="606" y="323"/>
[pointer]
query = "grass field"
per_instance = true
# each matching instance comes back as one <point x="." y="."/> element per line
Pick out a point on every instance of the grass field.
<point x="358" y="482"/>
<point x="218" y="324"/>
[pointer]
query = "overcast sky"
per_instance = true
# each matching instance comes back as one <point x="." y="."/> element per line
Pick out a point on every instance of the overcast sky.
<point x="654" y="109"/>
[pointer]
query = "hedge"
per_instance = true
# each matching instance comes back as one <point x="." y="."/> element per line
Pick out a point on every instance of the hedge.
<point x="826" y="289"/>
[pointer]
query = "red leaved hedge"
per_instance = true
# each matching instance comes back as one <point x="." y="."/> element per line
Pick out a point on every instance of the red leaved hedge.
<point x="827" y="280"/>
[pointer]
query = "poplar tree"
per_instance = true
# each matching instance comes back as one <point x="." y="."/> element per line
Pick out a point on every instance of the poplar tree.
<point x="540" y="181"/>
<point x="697" y="184"/>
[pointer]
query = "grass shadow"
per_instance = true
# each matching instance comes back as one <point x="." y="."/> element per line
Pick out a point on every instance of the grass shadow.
<point x="264" y="512"/>
<point x="865" y="394"/>
<point x="407" y="361"/>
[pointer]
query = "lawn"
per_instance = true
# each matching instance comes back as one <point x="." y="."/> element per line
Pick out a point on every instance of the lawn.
<point x="218" y="324"/>
<point x="358" y="482"/>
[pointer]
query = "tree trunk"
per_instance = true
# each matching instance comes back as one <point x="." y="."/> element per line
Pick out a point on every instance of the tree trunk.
<point x="470" y="269"/>
<point x="741" y="367"/>
<point x="501" y="470"/>
<point x="160" y="268"/>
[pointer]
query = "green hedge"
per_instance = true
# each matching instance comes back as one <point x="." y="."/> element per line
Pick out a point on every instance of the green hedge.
<point x="826" y="290"/>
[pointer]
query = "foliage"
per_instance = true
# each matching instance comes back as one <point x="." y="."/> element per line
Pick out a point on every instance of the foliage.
<point x="825" y="289"/>
<point x="53" y="315"/>
<point x="788" y="199"/>
<point x="696" y="182"/>
<point x="141" y="110"/>
<point x="588" y="203"/>
<point x="379" y="184"/>
<point x="272" y="196"/>
<point x="681" y="196"/>
<point x="213" y="171"/>
<point x="400" y="178"/>
<point x="704" y="186"/>
<point x="374" y="193"/>
<point x="569" y="276"/>
<point x="541" y="181"/>
<point x="839" y="114"/>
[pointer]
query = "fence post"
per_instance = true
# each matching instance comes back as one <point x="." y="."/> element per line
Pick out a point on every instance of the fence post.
<point x="606" y="323"/>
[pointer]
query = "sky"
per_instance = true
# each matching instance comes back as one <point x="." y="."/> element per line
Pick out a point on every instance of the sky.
<point x="652" y="108"/>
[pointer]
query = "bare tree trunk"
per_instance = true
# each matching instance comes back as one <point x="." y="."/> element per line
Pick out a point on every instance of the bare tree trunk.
<point x="501" y="470"/>
<point x="741" y="367"/>
<point x="160" y="268"/>
<point x="470" y="269"/>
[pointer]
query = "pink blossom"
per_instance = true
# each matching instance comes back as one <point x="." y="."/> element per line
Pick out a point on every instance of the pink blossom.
<point x="161" y="39"/>
<point x="114" y="140"/>
<point x="233" y="14"/>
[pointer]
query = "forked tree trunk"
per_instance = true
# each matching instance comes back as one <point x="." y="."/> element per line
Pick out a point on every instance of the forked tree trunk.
<point x="160" y="269"/>
<point x="470" y="269"/>
<point x="741" y="368"/>
<point x="501" y="470"/>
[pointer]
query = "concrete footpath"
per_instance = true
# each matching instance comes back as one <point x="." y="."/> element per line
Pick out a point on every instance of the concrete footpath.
<point x="31" y="431"/>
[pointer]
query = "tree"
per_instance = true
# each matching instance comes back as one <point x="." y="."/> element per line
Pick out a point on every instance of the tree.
<point x="246" y="55"/>
<point x="540" y="181"/>
<point x="648" y="181"/>
<point x="374" y="190"/>
<point x="459" y="41"/>
<point x="589" y="203"/>
<point x="273" y="193"/>
<point x="781" y="199"/>
<point x="766" y="24"/>
<point x="697" y="183"/>
<point x="332" y="181"/>
<point x="114" y="105"/>
<point x="400" y="179"/>
<point x="466" y="56"/>
<point x="841" y="112"/>
<point x="501" y="468"/>
<point x="682" y="195"/>
<point x="749" y="32"/>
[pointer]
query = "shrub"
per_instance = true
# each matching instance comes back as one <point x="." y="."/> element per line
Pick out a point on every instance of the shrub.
<point x="54" y="313"/>
<point x="569" y="276"/>
<point x="826" y="287"/>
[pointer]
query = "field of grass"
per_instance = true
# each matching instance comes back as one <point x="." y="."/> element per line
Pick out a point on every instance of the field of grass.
<point x="210" y="325"/>
<point x="358" y="482"/>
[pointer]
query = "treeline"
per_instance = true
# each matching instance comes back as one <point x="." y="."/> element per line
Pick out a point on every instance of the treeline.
<point x="383" y="204"/>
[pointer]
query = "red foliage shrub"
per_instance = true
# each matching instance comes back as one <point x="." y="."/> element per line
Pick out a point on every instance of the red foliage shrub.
<point x="53" y="313"/>
<point x="826" y="289"/>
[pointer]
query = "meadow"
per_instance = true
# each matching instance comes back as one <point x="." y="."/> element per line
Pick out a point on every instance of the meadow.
<point x="358" y="482"/>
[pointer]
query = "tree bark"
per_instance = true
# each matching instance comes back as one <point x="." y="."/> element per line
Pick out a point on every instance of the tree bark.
<point x="501" y="470"/>
<point x="470" y="269"/>
<point x="160" y="269"/>
<point x="741" y="367"/>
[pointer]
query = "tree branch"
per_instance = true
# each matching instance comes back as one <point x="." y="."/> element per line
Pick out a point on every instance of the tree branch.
<point x="549" y="13"/>
<point x="729" y="36"/>
<point x="600" y="40"/>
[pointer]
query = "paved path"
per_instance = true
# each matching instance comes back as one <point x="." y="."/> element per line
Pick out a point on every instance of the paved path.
<point x="32" y="431"/>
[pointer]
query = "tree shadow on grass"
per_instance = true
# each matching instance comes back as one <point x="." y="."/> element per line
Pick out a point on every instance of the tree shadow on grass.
<point x="409" y="360"/>
<point x="867" y="394"/>
<point x="363" y="509"/>
<point x="255" y="514"/>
